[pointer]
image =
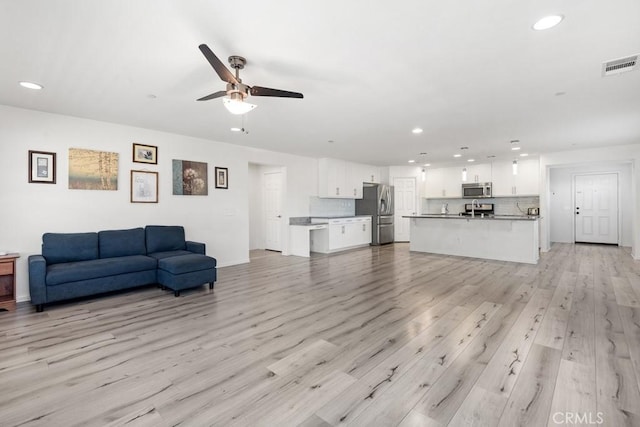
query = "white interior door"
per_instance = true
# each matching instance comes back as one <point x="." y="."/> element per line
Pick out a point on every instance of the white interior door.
<point x="404" y="196"/>
<point x="596" y="208"/>
<point x="273" y="210"/>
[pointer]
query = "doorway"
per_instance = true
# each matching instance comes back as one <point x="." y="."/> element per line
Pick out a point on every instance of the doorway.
<point x="273" y="210"/>
<point x="404" y="195"/>
<point x="596" y="208"/>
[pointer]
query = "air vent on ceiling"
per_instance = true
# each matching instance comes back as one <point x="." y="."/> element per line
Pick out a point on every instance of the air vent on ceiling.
<point x="618" y="66"/>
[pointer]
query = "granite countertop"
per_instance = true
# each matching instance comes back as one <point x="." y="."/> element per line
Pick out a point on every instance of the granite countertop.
<point x="344" y="216"/>
<point x="307" y="220"/>
<point x="308" y="224"/>
<point x="478" y="216"/>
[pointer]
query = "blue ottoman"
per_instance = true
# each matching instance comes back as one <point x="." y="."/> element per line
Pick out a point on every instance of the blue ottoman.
<point x="186" y="271"/>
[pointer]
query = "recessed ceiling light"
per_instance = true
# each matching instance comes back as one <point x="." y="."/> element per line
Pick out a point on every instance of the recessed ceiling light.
<point x="491" y="156"/>
<point x="31" y="85"/>
<point x="427" y="164"/>
<point x="423" y="154"/>
<point x="235" y="129"/>
<point x="416" y="130"/>
<point x="464" y="148"/>
<point x="471" y="160"/>
<point x="515" y="148"/>
<point x="547" y="22"/>
<point x="457" y="155"/>
<point x="524" y="154"/>
<point x="412" y="161"/>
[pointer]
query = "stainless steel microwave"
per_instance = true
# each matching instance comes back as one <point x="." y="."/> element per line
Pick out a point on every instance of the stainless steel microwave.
<point x="476" y="190"/>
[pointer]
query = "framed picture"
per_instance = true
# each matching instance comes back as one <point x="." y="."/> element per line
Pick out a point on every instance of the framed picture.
<point x="145" y="154"/>
<point x="144" y="187"/>
<point x="190" y="178"/>
<point x="42" y="167"/>
<point x="93" y="170"/>
<point x="222" y="178"/>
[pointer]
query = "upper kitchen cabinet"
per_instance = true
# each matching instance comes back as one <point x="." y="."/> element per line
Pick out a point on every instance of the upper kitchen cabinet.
<point x="443" y="182"/>
<point x="370" y="173"/>
<point x="478" y="173"/>
<point x="340" y="179"/>
<point x="524" y="183"/>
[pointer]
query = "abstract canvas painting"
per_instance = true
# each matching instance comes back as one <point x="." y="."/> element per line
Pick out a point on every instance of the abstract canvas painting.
<point x="190" y="178"/>
<point x="92" y="170"/>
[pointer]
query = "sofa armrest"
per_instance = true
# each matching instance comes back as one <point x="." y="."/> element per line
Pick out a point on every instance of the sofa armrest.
<point x="196" y="247"/>
<point x="37" y="279"/>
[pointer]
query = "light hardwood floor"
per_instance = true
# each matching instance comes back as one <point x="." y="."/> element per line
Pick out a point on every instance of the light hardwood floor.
<point x="371" y="337"/>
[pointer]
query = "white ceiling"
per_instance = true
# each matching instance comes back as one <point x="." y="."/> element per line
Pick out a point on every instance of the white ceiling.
<point x="469" y="73"/>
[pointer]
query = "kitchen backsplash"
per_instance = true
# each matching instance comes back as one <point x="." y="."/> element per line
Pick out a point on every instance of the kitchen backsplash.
<point x="501" y="205"/>
<point x="331" y="207"/>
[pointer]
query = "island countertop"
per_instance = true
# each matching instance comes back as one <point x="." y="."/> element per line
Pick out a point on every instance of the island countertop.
<point x="478" y="216"/>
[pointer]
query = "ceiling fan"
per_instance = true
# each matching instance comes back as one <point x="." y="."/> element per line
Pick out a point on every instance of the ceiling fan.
<point x="236" y="90"/>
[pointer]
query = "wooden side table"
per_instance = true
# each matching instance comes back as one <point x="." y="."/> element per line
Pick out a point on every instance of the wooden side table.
<point x="8" y="281"/>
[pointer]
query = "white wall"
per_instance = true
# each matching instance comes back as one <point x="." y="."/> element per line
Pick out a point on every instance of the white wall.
<point x="590" y="158"/>
<point x="561" y="200"/>
<point x="221" y="219"/>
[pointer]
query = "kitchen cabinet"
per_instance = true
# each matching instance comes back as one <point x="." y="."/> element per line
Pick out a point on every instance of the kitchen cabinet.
<point x="340" y="179"/>
<point x="447" y="182"/>
<point x="341" y="234"/>
<point x="443" y="182"/>
<point x="332" y="178"/>
<point x="525" y="183"/>
<point x="370" y="173"/>
<point x="300" y="237"/>
<point x="478" y="173"/>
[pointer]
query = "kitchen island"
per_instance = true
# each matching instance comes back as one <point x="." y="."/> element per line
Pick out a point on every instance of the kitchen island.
<point x="500" y="237"/>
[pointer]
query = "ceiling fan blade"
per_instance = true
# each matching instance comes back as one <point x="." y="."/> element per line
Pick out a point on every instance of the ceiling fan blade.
<point x="217" y="65"/>
<point x="265" y="91"/>
<point x="217" y="94"/>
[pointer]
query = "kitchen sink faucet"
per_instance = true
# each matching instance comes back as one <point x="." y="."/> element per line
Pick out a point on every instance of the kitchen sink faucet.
<point x="474" y="204"/>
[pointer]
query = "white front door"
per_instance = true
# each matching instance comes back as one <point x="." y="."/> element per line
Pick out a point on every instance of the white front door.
<point x="273" y="210"/>
<point x="404" y="195"/>
<point x="596" y="209"/>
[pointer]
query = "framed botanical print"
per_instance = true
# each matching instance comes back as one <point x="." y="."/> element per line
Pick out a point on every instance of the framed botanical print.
<point x="42" y="167"/>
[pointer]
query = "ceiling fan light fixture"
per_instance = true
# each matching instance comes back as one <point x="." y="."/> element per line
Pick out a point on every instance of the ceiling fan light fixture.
<point x="235" y="106"/>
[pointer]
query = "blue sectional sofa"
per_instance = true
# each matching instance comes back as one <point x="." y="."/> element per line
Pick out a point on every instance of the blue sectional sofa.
<point x="81" y="264"/>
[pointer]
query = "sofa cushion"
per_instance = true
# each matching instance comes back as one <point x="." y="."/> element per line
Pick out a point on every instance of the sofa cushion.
<point x="162" y="238"/>
<point x="83" y="270"/>
<point x="69" y="247"/>
<point x="168" y="254"/>
<point x="186" y="263"/>
<point x="116" y="243"/>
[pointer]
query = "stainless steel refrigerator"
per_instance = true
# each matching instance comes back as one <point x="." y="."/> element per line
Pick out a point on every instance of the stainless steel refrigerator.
<point x="377" y="201"/>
